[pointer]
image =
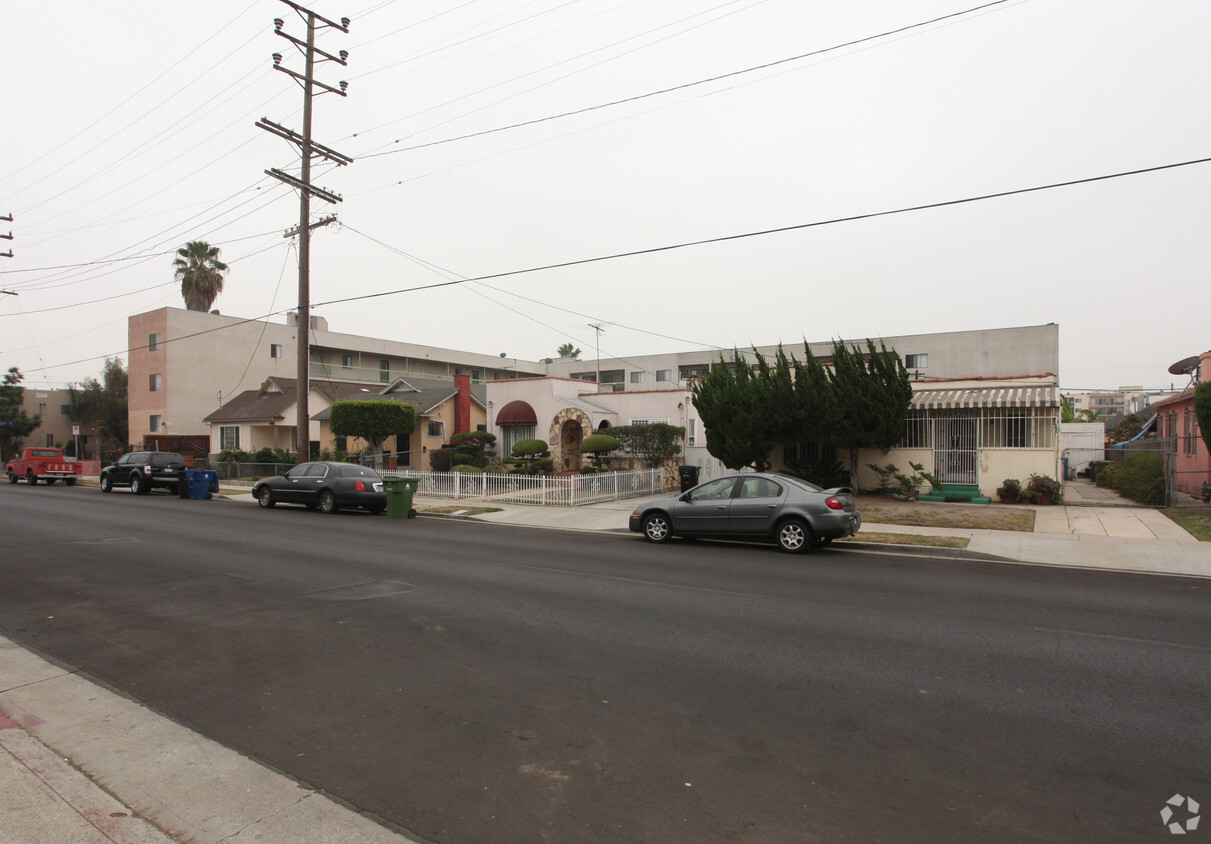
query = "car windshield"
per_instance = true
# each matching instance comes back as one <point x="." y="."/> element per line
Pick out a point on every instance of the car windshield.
<point x="358" y="472"/>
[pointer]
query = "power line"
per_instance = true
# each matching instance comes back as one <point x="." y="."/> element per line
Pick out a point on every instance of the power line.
<point x="724" y="238"/>
<point x="686" y="85"/>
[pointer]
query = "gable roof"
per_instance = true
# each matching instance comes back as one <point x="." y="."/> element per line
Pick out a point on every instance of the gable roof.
<point x="276" y="395"/>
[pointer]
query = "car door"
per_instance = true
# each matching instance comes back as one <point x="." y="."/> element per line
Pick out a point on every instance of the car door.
<point x="309" y="485"/>
<point x="758" y="501"/>
<point x="294" y="485"/>
<point x="704" y="509"/>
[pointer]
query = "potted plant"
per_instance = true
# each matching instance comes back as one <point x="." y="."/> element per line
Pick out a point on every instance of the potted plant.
<point x="1010" y="491"/>
<point x="1046" y="489"/>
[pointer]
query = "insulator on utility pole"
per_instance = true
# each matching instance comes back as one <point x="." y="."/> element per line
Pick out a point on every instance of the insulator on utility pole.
<point x="308" y="149"/>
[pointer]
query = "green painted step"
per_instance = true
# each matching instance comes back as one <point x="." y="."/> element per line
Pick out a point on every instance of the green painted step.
<point x="956" y="493"/>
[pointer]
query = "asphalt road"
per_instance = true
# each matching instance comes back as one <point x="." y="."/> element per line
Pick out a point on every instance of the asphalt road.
<point x="478" y="683"/>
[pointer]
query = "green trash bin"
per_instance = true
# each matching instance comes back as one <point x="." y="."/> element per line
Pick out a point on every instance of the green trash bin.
<point x="399" y="496"/>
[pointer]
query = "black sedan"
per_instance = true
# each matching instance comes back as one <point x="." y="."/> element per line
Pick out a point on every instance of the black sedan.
<point x="326" y="486"/>
<point x="793" y="513"/>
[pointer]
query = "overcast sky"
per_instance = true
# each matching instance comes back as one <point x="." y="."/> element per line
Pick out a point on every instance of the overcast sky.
<point x="130" y="131"/>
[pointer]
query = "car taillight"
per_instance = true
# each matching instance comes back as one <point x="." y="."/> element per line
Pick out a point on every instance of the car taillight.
<point x="360" y="486"/>
<point x="834" y="503"/>
<point x="146" y="470"/>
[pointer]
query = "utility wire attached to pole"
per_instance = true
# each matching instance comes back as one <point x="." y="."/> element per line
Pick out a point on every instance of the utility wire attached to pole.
<point x="308" y="150"/>
<point x="8" y="219"/>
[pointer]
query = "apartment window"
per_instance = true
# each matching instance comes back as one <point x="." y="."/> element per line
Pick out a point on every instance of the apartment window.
<point x="477" y="375"/>
<point x="691" y="431"/>
<point x="154" y="424"/>
<point x="275" y="350"/>
<point x="638" y="377"/>
<point x="916" y="361"/>
<point x="384" y="370"/>
<point x="693" y="371"/>
<point x="229" y="437"/>
<point x="347" y="361"/>
<point x="584" y="376"/>
<point x="664" y="375"/>
<point x="437" y="429"/>
<point x="155" y="382"/>
<point x="50" y="440"/>
<point x="42" y="408"/>
<point x="154" y="341"/>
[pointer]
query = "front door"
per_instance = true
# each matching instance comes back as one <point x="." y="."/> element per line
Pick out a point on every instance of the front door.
<point x="954" y="449"/>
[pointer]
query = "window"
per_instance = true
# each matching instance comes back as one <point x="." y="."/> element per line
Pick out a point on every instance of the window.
<point x="916" y="430"/>
<point x="340" y="443"/>
<point x="584" y="376"/>
<point x="664" y="375"/>
<point x="437" y="429"/>
<point x="41" y="408"/>
<point x="384" y="370"/>
<point x="229" y="437"/>
<point x="637" y="377"/>
<point x="154" y="341"/>
<point x="155" y="382"/>
<point x="651" y="421"/>
<point x="916" y="361"/>
<point x="477" y="376"/>
<point x="153" y="423"/>
<point x="347" y="361"/>
<point x="275" y="350"/>
<point x="510" y="435"/>
<point x="693" y="371"/>
<point x="691" y="431"/>
<point x="50" y="440"/>
<point x="613" y="376"/>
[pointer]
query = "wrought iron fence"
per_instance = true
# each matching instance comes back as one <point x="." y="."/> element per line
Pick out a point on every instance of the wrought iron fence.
<point x="560" y="490"/>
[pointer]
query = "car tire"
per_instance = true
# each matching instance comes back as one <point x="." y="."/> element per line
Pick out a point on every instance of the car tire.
<point x="657" y="528"/>
<point x="51" y="481"/>
<point x="328" y="502"/>
<point x="794" y="536"/>
<point x="137" y="485"/>
<point x="12" y="477"/>
<point x="265" y="498"/>
<point x="69" y="481"/>
<point x="30" y="477"/>
<point x="107" y="483"/>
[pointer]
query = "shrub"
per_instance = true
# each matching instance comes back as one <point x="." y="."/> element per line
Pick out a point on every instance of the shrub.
<point x="441" y="459"/>
<point x="1107" y="475"/>
<point x="1045" y="486"/>
<point x="1141" y="477"/>
<point x="467" y="469"/>
<point x="598" y="445"/>
<point x="473" y="448"/>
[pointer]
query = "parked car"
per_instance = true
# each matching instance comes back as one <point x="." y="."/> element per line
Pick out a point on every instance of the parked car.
<point x="42" y="464"/>
<point x="793" y="513"/>
<point x="144" y="471"/>
<point x="324" y="485"/>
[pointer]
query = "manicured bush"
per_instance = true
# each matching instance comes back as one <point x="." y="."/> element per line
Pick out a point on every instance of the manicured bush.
<point x="441" y="459"/>
<point x="467" y="469"/>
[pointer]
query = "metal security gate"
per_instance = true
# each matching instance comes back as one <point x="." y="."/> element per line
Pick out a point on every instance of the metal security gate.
<point x="954" y="449"/>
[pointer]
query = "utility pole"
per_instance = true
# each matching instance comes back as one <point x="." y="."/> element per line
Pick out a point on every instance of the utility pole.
<point x="598" y="327"/>
<point x="308" y="150"/>
<point x="8" y="219"/>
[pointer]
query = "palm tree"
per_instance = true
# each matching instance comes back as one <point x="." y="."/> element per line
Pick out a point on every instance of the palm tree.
<point x="201" y="274"/>
<point x="567" y="350"/>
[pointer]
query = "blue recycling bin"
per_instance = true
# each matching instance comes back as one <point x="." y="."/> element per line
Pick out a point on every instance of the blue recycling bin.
<point x="202" y="483"/>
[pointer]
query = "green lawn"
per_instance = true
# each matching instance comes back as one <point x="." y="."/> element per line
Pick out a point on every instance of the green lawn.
<point x="1196" y="521"/>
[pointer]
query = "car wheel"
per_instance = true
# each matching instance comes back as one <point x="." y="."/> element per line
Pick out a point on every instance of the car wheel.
<point x="265" y="498"/>
<point x="50" y="481"/>
<point x="69" y="481"/>
<point x="12" y="478"/>
<point x="794" y="537"/>
<point x="30" y="478"/>
<point x="656" y="528"/>
<point x="137" y="485"/>
<point x="328" y="502"/>
<point x="107" y="483"/>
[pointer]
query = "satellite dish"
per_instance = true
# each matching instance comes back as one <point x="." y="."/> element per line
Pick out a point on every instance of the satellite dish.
<point x="1184" y="366"/>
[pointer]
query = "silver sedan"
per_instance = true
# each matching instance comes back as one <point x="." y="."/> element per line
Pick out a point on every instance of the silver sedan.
<point x="793" y="513"/>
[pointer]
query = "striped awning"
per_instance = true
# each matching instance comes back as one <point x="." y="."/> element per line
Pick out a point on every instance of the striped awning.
<point x="978" y="397"/>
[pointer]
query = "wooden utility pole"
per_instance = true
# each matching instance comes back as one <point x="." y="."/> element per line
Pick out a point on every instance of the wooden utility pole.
<point x="308" y="150"/>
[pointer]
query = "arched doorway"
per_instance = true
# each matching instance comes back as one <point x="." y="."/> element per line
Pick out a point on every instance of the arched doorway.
<point x="571" y="435"/>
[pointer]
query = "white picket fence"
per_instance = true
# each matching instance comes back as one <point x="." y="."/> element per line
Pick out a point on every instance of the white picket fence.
<point x="568" y="491"/>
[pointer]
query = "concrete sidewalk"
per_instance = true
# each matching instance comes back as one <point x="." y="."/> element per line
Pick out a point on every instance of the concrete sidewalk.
<point x="79" y="763"/>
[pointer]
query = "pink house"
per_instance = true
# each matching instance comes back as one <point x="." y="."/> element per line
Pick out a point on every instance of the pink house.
<point x="1176" y="421"/>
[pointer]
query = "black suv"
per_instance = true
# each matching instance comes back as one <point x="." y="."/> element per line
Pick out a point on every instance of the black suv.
<point x="143" y="470"/>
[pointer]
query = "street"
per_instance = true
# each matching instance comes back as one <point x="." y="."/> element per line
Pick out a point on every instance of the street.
<point x="475" y="683"/>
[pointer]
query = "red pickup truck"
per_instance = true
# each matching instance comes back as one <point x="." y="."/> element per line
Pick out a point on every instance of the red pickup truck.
<point x="42" y="464"/>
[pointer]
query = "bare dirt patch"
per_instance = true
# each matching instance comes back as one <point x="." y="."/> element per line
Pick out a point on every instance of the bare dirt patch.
<point x="880" y="509"/>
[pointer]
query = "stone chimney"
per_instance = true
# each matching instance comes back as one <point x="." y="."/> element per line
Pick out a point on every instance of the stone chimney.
<point x="462" y="403"/>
